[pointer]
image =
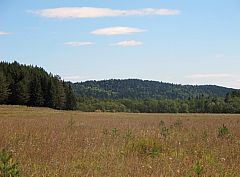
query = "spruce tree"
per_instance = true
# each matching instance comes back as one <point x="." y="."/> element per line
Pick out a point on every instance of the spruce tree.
<point x="60" y="93"/>
<point x="19" y="93"/>
<point x="36" y="94"/>
<point x="51" y="99"/>
<point x="71" y="102"/>
<point x="4" y="92"/>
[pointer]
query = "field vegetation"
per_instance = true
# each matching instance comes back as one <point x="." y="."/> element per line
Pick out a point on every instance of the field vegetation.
<point x="46" y="142"/>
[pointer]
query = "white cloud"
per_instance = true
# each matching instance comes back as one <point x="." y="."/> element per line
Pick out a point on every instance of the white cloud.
<point x="93" y="12"/>
<point x="2" y="33"/>
<point x="75" y="78"/>
<point x="77" y="44"/>
<point x="117" y="31"/>
<point x="129" y="43"/>
<point x="209" y="76"/>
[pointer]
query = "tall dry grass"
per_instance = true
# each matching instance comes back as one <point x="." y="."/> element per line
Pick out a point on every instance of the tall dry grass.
<point x="47" y="142"/>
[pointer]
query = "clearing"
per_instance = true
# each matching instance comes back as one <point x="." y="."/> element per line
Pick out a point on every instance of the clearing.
<point x="48" y="142"/>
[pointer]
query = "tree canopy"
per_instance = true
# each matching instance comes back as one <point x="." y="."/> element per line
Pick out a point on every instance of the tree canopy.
<point x="144" y="89"/>
<point x="33" y="86"/>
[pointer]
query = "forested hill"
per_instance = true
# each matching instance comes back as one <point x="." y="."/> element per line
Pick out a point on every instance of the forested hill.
<point x="144" y="89"/>
<point x="33" y="86"/>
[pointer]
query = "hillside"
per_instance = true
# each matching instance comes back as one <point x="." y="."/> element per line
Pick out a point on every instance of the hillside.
<point x="144" y="89"/>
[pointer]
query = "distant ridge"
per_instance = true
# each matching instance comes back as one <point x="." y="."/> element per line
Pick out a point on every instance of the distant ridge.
<point x="145" y="89"/>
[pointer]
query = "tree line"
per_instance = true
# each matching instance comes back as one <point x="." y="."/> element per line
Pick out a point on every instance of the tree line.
<point x="145" y="89"/>
<point x="33" y="86"/>
<point x="229" y="104"/>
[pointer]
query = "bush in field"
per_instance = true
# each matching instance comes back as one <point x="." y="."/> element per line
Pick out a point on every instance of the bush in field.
<point x="198" y="169"/>
<point x="144" y="146"/>
<point x="223" y="131"/>
<point x="129" y="135"/>
<point x="8" y="167"/>
<point x="115" y="132"/>
<point x="165" y="132"/>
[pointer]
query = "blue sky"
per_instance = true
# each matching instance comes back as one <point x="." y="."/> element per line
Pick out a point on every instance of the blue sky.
<point x="186" y="42"/>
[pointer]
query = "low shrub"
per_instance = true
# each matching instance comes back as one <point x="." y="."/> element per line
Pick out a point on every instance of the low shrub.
<point x="223" y="131"/>
<point x="144" y="146"/>
<point x="8" y="166"/>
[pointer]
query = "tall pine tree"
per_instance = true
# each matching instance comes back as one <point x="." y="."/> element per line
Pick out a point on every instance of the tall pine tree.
<point x="36" y="93"/>
<point x="71" y="103"/>
<point x="4" y="92"/>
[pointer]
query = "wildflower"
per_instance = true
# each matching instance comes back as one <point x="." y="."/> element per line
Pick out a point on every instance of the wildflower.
<point x="223" y="159"/>
<point x="150" y="166"/>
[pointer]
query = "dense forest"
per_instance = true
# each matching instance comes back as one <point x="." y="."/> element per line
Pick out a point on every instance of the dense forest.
<point x="144" y="89"/>
<point x="133" y="95"/>
<point x="229" y="104"/>
<point x="33" y="86"/>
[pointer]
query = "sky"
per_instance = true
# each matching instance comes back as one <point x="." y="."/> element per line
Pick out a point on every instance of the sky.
<point x="176" y="41"/>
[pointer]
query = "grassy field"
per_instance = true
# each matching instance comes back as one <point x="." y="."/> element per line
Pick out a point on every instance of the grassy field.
<point x="47" y="142"/>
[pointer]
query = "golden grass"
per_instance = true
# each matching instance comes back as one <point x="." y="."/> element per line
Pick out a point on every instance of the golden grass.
<point x="47" y="142"/>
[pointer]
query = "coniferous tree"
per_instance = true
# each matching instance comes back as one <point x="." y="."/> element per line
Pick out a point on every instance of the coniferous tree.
<point x="60" y="93"/>
<point x="36" y="93"/>
<point x="19" y="93"/>
<point x="71" y="103"/>
<point x="4" y="92"/>
<point x="51" y="99"/>
<point x="31" y="85"/>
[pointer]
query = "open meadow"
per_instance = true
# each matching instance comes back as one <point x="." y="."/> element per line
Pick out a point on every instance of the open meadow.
<point x="49" y="143"/>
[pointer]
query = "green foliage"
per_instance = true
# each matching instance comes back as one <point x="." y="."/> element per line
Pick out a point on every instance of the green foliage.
<point x="223" y="131"/>
<point x="205" y="135"/>
<point x="165" y="132"/>
<point x="198" y="169"/>
<point x="144" y="146"/>
<point x="8" y="167"/>
<point x="194" y="105"/>
<point x="4" y="92"/>
<point x="71" y="103"/>
<point x="144" y="89"/>
<point x="129" y="135"/>
<point x="32" y="86"/>
<point x="136" y="96"/>
<point x="36" y="93"/>
<point x="115" y="132"/>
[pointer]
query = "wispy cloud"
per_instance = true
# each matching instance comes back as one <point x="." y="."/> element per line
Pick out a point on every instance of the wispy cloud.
<point x="117" y="31"/>
<point x="2" y="33"/>
<point x="93" y="12"/>
<point x="75" y="78"/>
<point x="129" y="43"/>
<point x="200" y="76"/>
<point x="77" y="44"/>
